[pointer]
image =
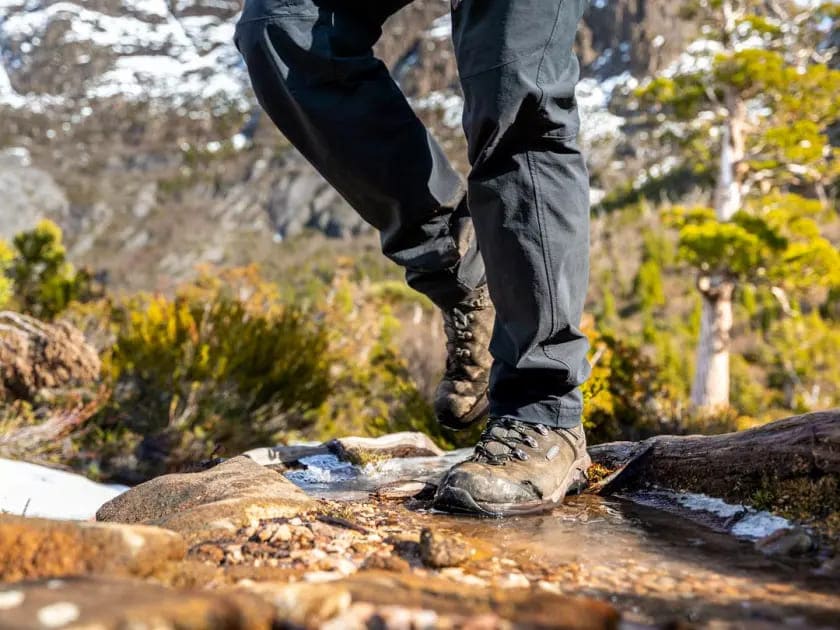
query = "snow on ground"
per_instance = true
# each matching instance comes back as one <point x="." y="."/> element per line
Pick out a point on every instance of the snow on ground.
<point x="32" y="490"/>
<point x="739" y="520"/>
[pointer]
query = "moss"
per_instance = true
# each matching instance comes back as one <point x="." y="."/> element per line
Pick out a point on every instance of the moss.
<point x="598" y="472"/>
<point x="814" y="502"/>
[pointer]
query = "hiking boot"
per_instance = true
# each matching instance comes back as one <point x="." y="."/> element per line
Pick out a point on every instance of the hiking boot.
<point x="461" y="397"/>
<point x="517" y="468"/>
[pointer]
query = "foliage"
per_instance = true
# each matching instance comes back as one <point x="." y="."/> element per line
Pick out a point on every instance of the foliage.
<point x="229" y="363"/>
<point x="775" y="239"/>
<point x="620" y="397"/>
<point x="6" y="286"/>
<point x="44" y="282"/>
<point x="217" y="368"/>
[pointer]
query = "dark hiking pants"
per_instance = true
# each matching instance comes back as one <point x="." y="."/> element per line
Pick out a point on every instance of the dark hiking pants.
<point x="314" y="73"/>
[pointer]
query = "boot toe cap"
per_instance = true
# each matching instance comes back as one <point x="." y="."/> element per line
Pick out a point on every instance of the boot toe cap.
<point x="483" y="487"/>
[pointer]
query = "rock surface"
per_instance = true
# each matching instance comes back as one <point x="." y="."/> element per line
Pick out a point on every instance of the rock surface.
<point x="114" y="604"/>
<point x="39" y="548"/>
<point x="224" y="498"/>
<point x="263" y="554"/>
<point x="384" y="599"/>
<point x="35" y="355"/>
<point x="398" y="445"/>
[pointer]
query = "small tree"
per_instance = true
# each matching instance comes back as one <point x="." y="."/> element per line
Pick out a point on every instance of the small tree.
<point x="44" y="281"/>
<point x="765" y="97"/>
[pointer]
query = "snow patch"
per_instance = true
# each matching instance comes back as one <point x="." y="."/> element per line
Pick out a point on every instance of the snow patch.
<point x="32" y="490"/>
<point x="739" y="520"/>
<point x="450" y="104"/>
<point x="158" y="56"/>
<point x="441" y="28"/>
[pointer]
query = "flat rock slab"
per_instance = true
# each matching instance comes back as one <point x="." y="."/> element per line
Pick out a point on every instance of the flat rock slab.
<point x="361" y="450"/>
<point x="197" y="505"/>
<point x="33" y="548"/>
<point x="357" y="450"/>
<point x="119" y="604"/>
<point x="388" y="600"/>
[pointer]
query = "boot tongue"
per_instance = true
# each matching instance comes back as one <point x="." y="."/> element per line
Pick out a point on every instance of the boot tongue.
<point x="493" y="446"/>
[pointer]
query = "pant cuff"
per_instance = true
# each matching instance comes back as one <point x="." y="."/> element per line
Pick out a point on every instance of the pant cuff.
<point x="548" y="414"/>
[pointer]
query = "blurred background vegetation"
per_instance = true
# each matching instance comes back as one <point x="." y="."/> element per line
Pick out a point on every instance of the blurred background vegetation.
<point x="714" y="301"/>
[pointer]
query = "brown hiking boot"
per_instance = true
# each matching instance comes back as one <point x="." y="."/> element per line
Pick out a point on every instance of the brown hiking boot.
<point x="517" y="468"/>
<point x="461" y="397"/>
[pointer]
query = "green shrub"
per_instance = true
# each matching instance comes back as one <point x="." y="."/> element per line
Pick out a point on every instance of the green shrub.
<point x="44" y="281"/>
<point x="6" y="284"/>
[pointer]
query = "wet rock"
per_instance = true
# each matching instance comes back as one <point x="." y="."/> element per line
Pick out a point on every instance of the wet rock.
<point x="438" y="551"/>
<point x="786" y="542"/>
<point x="118" y="604"/>
<point x="39" y="548"/>
<point x="360" y="450"/>
<point x="232" y="495"/>
<point x="371" y="597"/>
<point x="407" y="489"/>
<point x="35" y="355"/>
<point x="285" y="455"/>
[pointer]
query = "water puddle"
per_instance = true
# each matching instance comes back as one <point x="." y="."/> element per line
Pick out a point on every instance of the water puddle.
<point x="659" y="557"/>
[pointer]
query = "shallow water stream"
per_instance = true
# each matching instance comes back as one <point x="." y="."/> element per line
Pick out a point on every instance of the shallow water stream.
<point x="654" y="558"/>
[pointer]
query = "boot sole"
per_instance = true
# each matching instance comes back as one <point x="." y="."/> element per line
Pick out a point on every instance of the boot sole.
<point x="481" y="409"/>
<point x="459" y="501"/>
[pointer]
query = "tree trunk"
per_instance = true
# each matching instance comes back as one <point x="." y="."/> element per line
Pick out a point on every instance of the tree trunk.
<point x="796" y="460"/>
<point x="710" y="389"/>
<point x="729" y="185"/>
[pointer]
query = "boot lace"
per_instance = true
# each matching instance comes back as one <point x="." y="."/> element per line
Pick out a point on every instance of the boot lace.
<point x="462" y="319"/>
<point x="499" y="443"/>
<point x="509" y="434"/>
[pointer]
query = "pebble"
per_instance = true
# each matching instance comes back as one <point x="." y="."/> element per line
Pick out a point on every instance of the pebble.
<point x="283" y="533"/>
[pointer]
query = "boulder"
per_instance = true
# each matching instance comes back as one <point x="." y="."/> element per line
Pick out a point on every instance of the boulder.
<point x="118" y="604"/>
<point x="356" y="450"/>
<point x="225" y="498"/>
<point x="35" y="355"/>
<point x="32" y="548"/>
<point x="361" y="450"/>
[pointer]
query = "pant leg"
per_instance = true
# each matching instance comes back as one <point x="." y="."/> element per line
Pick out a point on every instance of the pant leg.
<point x="313" y="70"/>
<point x="529" y="198"/>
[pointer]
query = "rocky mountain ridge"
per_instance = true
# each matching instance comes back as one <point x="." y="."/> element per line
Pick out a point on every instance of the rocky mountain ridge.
<point x="131" y="123"/>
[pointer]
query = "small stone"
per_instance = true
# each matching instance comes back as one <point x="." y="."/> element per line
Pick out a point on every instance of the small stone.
<point x="786" y="542"/>
<point x="438" y="552"/>
<point x="11" y="599"/>
<point x="265" y="533"/>
<point x="233" y="554"/>
<point x="58" y="614"/>
<point x="283" y="533"/>
<point x="386" y="562"/>
<point x="514" y="580"/>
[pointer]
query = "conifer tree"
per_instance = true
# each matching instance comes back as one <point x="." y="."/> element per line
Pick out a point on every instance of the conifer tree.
<point x="760" y="101"/>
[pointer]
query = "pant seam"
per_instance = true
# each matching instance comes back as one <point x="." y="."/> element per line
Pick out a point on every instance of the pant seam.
<point x="545" y="51"/>
<point x="538" y="205"/>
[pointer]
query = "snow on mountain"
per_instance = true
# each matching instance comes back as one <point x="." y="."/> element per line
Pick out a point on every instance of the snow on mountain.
<point x="134" y="49"/>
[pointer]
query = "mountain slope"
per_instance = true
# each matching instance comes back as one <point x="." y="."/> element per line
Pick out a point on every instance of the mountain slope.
<point x="132" y="124"/>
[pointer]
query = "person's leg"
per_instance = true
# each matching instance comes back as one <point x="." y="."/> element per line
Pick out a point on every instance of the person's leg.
<point x="529" y="196"/>
<point x="313" y="70"/>
<point x="529" y="200"/>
